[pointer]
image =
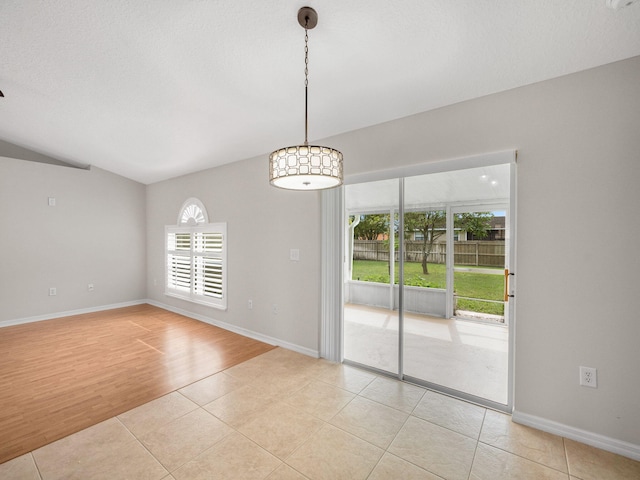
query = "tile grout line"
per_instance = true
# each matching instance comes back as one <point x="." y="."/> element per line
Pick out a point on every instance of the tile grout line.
<point x="253" y="442"/>
<point x="525" y="458"/>
<point x="409" y="415"/>
<point x="566" y="457"/>
<point x="396" y="436"/>
<point x="33" y="459"/>
<point x="139" y="440"/>
<point x="307" y="440"/>
<point x="145" y="448"/>
<point x="475" y="450"/>
<point x="326" y="422"/>
<point x="283" y="461"/>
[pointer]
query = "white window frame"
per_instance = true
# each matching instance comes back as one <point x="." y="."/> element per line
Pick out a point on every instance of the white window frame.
<point x="202" y="244"/>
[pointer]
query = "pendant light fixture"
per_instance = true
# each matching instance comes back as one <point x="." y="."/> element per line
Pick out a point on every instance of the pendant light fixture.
<point x="306" y="167"/>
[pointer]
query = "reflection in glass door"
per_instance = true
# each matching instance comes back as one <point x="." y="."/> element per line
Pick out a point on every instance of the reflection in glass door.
<point x="453" y="322"/>
<point x="478" y="294"/>
<point x="446" y="325"/>
<point x="371" y="312"/>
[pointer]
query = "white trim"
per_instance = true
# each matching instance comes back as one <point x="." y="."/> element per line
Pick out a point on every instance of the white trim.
<point x="226" y="326"/>
<point x="510" y="312"/>
<point x="594" y="439"/>
<point x="448" y="165"/>
<point x="69" y="313"/>
<point x="331" y="296"/>
<point x="239" y="330"/>
<point x="195" y="300"/>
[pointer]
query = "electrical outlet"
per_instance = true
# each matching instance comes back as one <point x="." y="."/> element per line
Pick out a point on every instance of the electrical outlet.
<point x="588" y="377"/>
<point x="90" y="287"/>
<point x="53" y="292"/>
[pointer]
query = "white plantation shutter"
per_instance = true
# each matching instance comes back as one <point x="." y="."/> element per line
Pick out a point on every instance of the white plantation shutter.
<point x="179" y="261"/>
<point x="197" y="262"/>
<point x="209" y="265"/>
<point x="206" y="241"/>
<point x="209" y="261"/>
<point x="179" y="272"/>
<point x="208" y="277"/>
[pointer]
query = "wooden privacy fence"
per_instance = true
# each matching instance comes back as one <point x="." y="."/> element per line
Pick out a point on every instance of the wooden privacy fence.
<point x="476" y="253"/>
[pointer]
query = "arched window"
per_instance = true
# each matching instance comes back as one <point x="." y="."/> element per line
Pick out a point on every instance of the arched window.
<point x="196" y="257"/>
<point x="193" y="213"/>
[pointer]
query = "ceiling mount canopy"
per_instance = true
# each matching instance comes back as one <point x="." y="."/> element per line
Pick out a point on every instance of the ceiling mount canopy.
<point x="307" y="18"/>
<point x="306" y="167"/>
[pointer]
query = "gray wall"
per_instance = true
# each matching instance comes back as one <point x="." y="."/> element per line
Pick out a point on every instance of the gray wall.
<point x="263" y="224"/>
<point x="578" y="180"/>
<point x="95" y="234"/>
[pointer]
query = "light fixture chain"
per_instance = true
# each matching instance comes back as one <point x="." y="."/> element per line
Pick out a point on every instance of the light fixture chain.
<point x="306" y="83"/>
<point x="306" y="58"/>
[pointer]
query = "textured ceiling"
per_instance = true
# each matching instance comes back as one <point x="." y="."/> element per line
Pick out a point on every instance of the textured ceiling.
<point x="153" y="89"/>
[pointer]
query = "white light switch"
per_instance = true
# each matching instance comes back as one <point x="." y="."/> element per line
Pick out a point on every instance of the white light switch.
<point x="52" y="201"/>
<point x="294" y="254"/>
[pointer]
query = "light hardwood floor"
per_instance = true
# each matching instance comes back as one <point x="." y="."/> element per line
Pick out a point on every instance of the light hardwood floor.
<point x="60" y="376"/>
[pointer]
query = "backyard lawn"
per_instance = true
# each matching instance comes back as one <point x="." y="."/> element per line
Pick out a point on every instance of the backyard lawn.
<point x="474" y="285"/>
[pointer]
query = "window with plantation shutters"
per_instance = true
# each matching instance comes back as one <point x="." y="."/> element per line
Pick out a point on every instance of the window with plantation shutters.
<point x="196" y="258"/>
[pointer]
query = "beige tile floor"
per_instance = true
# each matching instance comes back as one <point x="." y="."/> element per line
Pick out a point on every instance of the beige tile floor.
<point x="285" y="416"/>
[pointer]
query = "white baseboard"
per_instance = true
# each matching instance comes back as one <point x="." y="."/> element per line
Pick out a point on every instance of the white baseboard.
<point x="595" y="440"/>
<point x="239" y="330"/>
<point x="69" y="313"/>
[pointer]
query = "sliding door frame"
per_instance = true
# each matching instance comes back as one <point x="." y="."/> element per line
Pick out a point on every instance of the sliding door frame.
<point x="332" y="263"/>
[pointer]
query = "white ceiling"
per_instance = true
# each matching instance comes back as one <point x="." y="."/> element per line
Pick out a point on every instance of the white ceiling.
<point x="153" y="89"/>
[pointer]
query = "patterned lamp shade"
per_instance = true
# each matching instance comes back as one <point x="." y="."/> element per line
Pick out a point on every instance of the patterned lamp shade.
<point x="305" y="167"/>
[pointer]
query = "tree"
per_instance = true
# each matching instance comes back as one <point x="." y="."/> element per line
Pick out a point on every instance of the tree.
<point x="477" y="223"/>
<point x="371" y="226"/>
<point x="431" y="224"/>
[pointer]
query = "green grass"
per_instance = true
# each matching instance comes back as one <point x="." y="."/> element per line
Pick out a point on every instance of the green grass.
<point x="474" y="285"/>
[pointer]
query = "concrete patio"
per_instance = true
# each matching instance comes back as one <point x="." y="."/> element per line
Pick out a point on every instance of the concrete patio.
<point x="464" y="355"/>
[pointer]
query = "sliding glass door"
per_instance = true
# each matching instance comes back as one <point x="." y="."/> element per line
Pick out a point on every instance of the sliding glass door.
<point x="425" y="280"/>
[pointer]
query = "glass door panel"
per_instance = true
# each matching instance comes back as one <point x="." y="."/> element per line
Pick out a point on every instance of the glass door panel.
<point x="478" y="298"/>
<point x="454" y="333"/>
<point x="479" y="263"/>
<point x="425" y="332"/>
<point x="371" y="322"/>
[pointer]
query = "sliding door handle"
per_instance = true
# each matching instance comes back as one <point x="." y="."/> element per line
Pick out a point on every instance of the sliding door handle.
<point x="506" y="285"/>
